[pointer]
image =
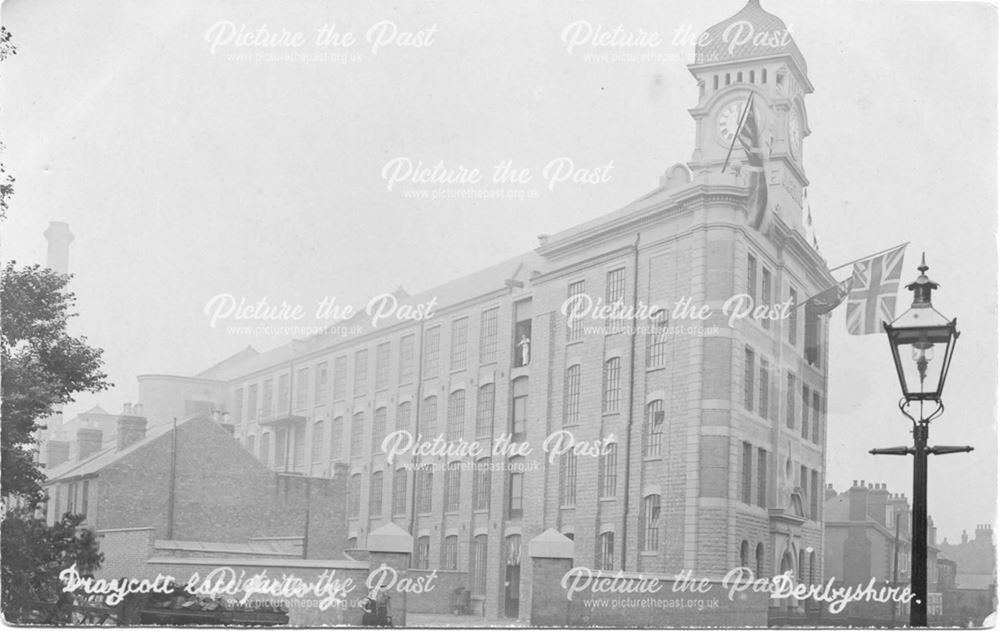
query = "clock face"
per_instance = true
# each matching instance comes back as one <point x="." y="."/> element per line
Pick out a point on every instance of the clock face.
<point x="794" y="132"/>
<point x="729" y="121"/>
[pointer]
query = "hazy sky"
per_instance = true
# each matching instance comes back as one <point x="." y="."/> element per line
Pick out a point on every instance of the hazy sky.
<point x="186" y="171"/>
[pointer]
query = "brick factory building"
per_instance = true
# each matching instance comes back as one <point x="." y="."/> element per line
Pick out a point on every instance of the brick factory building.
<point x="712" y="436"/>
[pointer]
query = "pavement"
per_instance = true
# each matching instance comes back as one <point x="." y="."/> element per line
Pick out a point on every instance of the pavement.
<point x="444" y="620"/>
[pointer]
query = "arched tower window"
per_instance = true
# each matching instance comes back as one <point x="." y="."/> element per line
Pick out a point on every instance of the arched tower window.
<point x="739" y="77"/>
<point x="715" y="82"/>
<point x="727" y="78"/>
<point x="751" y="76"/>
<point x="763" y="75"/>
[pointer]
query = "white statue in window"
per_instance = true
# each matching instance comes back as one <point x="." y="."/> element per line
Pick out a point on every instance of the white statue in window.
<point x="525" y="345"/>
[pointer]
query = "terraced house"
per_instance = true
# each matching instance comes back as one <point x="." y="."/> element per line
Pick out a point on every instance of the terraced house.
<point x="714" y="432"/>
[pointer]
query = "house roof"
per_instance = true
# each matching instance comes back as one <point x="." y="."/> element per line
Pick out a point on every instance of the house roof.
<point x="109" y="453"/>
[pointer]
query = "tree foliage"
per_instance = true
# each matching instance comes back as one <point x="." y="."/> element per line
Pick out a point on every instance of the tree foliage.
<point x="43" y="367"/>
<point x="33" y="556"/>
<point x="7" y="49"/>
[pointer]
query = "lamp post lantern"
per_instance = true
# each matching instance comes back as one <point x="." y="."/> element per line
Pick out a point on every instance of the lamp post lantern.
<point x="922" y="342"/>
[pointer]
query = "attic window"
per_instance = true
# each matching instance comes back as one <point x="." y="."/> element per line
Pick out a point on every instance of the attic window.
<point x="715" y="82"/>
<point x="739" y="77"/>
<point x="763" y="75"/>
<point x="751" y="76"/>
<point x="727" y="78"/>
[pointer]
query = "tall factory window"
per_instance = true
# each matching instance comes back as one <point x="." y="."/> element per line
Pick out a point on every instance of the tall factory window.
<point x="607" y="483"/>
<point x="790" y="394"/>
<point x="481" y="485"/>
<point x="319" y="391"/>
<point x="340" y="378"/>
<point x="337" y="438"/>
<point x="432" y="351"/>
<point x="375" y="495"/>
<point x="423" y="553"/>
<point x="651" y="523"/>
<point x="403" y="414"/>
<point x="378" y="429"/>
<point x="746" y="481"/>
<point x="489" y="335"/>
<point x="382" y="352"/>
<point x="406" y="356"/>
<point x="459" y="343"/>
<point x="606" y="559"/>
<point x="612" y="385"/>
<point x="428" y="417"/>
<point x="357" y="434"/>
<point x="484" y="410"/>
<point x="425" y="490"/>
<point x="360" y="372"/>
<point x="515" y="487"/>
<point x="283" y="393"/>
<point x="450" y="553"/>
<point x="652" y="445"/>
<point x="762" y="478"/>
<point x="399" y="492"/>
<point x="478" y="563"/>
<point x="452" y="489"/>
<point x="574" y="331"/>
<point x="302" y="389"/>
<point x="354" y="496"/>
<point x="456" y="415"/>
<point x="656" y="340"/>
<point x="765" y="386"/>
<point x="748" y="378"/>
<point x="318" y="440"/>
<point x="615" y="296"/>
<point x="567" y="479"/>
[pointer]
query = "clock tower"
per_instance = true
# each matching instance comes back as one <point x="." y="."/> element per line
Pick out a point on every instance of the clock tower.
<point x="753" y="53"/>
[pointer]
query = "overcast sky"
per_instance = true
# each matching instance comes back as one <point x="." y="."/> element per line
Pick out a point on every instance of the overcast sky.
<point x="186" y="171"/>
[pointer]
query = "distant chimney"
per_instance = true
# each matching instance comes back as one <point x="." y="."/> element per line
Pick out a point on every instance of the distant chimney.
<point x="857" y="500"/>
<point x="131" y="428"/>
<point x="88" y="442"/>
<point x="965" y="537"/>
<point x="59" y="238"/>
<point x="56" y="453"/>
<point x="830" y="492"/>
<point x="543" y="239"/>
<point x="878" y="497"/>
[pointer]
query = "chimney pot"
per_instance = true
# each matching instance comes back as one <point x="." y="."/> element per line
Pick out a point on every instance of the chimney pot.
<point x="131" y="429"/>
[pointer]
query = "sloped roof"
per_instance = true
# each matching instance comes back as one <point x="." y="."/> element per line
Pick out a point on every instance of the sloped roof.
<point x="95" y="410"/>
<point x="109" y="453"/>
<point x="219" y="370"/>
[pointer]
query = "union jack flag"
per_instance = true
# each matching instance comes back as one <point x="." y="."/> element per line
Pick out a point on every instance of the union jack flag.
<point x="874" y="285"/>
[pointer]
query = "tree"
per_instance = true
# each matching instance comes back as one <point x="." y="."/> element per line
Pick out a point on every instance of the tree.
<point x="43" y="366"/>
<point x="33" y="556"/>
<point x="7" y="49"/>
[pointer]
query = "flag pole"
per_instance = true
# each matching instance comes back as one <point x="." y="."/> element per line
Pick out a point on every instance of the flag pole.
<point x="870" y="256"/>
<point x="739" y="128"/>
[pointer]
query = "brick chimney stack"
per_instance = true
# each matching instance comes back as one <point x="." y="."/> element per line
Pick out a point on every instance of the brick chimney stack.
<point x="131" y="426"/>
<point x="88" y="442"/>
<point x="56" y="453"/>
<point x="857" y="501"/>
<point x="878" y="497"/>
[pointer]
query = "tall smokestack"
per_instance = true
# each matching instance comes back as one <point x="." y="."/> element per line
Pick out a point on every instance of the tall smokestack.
<point x="59" y="238"/>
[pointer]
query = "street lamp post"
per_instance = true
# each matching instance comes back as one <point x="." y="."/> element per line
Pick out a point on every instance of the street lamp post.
<point x="926" y="335"/>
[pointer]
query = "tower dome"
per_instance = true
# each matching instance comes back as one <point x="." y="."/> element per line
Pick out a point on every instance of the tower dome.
<point x="752" y="33"/>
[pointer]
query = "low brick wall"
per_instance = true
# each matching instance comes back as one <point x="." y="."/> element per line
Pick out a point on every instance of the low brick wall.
<point x="437" y="600"/>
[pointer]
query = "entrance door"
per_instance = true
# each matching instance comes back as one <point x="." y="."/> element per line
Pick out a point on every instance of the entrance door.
<point x="512" y="577"/>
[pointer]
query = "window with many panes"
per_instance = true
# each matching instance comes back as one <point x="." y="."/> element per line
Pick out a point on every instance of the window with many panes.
<point x="653" y="444"/>
<point x="749" y="366"/>
<point x="575" y="302"/>
<point x="612" y="385"/>
<point x="360" y="372"/>
<point x="805" y="411"/>
<point x="375" y="495"/>
<point x="752" y="277"/>
<point x="449" y="553"/>
<point x="485" y="399"/>
<point x="793" y="317"/>
<point x="615" y="296"/>
<point x="489" y="332"/>
<point x="407" y="353"/>
<point x="459" y="343"/>
<point x="399" y="492"/>
<point x="567" y="479"/>
<point x="573" y="395"/>
<point x="423" y="553"/>
<point x="817" y="409"/>
<point x="656" y="340"/>
<point x="425" y="490"/>
<point x="337" y="438"/>
<point x="403" y="414"/>
<point x="354" y="496"/>
<point x="481" y="485"/>
<point x="607" y="483"/>
<point x="339" y="378"/>
<point x="318" y="440"/>
<point x="478" y="566"/>
<point x="432" y="351"/>
<point x="765" y="293"/>
<point x="456" y="415"/>
<point x="379" y="429"/>
<point x="606" y="554"/>
<point x="650" y="523"/>
<point x="452" y="488"/>
<point x="357" y="434"/>
<point x="382" y="352"/>
<point x="428" y="417"/>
